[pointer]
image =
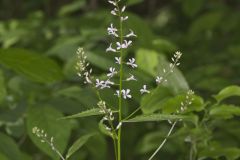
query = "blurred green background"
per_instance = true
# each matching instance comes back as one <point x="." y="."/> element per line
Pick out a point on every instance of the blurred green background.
<point x="38" y="82"/>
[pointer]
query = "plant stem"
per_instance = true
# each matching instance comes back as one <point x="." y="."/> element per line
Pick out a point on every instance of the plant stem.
<point x="115" y="148"/>
<point x="114" y="139"/>
<point x="135" y="111"/>
<point x="120" y="86"/>
<point x="164" y="141"/>
<point x="193" y="151"/>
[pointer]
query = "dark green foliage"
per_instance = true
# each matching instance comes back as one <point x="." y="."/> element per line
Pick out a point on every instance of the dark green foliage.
<point x="39" y="85"/>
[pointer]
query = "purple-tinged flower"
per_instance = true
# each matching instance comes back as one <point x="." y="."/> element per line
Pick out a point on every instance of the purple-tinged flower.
<point x="112" y="30"/>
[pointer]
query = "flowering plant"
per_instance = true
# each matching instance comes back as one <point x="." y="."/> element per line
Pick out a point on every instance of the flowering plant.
<point x="113" y="120"/>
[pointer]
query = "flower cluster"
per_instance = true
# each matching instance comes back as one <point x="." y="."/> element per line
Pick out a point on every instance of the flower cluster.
<point x="184" y="104"/>
<point x="106" y="111"/>
<point x="108" y="116"/>
<point x="40" y="133"/>
<point x="188" y="101"/>
<point x="81" y="66"/>
<point x="122" y="42"/>
<point x="175" y="62"/>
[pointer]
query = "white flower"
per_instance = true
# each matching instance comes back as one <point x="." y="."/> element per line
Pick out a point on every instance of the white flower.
<point x="119" y="125"/>
<point x="131" y="34"/>
<point x="110" y="49"/>
<point x="117" y="93"/>
<point x="88" y="80"/>
<point x="114" y="11"/>
<point x="119" y="46"/>
<point x="107" y="83"/>
<point x="132" y="63"/>
<point x="126" y="94"/>
<point x="103" y="84"/>
<point x="131" y="78"/>
<point x="112" y="2"/>
<point x="144" y="89"/>
<point x="112" y="30"/>
<point x="123" y="9"/>
<point x="124" y="18"/>
<point x="126" y="44"/>
<point x="177" y="55"/>
<point x="99" y="83"/>
<point x="118" y="60"/>
<point x="159" y="79"/>
<point x="112" y="72"/>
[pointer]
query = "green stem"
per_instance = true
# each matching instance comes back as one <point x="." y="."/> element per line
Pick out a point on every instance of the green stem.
<point x="114" y="138"/>
<point x="135" y="111"/>
<point x="115" y="148"/>
<point x="193" y="151"/>
<point x="120" y="85"/>
<point x="164" y="141"/>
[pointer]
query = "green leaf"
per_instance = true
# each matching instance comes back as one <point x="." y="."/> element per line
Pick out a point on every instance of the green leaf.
<point x="78" y="144"/>
<point x="216" y="151"/>
<point x="142" y="29"/>
<point x="100" y="60"/>
<point x="87" y="113"/>
<point x="147" y="60"/>
<point x="225" y="111"/>
<point x="154" y="63"/>
<point x="153" y="101"/>
<point x="85" y="96"/>
<point x="159" y="117"/>
<point x="3" y="91"/>
<point x="191" y="8"/>
<point x="34" y="66"/>
<point x="227" y="92"/>
<point x="2" y="157"/>
<point x="206" y="22"/>
<point x="173" y="104"/>
<point x="45" y="118"/>
<point x="164" y="45"/>
<point x="72" y="7"/>
<point x="102" y="128"/>
<point x="8" y="148"/>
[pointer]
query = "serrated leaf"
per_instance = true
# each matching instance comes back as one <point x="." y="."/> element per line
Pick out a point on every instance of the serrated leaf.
<point x="225" y="111"/>
<point x="8" y="148"/>
<point x="78" y="144"/>
<point x="34" y="66"/>
<point x="159" y="117"/>
<point x="2" y="87"/>
<point x="227" y="92"/>
<point x="45" y="117"/>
